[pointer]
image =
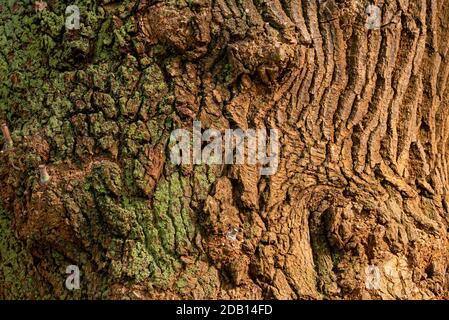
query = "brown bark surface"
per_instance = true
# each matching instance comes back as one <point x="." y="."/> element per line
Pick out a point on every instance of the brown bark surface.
<point x="363" y="168"/>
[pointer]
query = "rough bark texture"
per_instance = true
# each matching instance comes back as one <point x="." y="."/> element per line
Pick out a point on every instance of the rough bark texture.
<point x="363" y="173"/>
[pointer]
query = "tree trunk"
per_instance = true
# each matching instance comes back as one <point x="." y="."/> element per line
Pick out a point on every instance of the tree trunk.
<point x="358" y="207"/>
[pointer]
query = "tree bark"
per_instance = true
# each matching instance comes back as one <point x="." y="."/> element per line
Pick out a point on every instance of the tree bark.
<point x="362" y="182"/>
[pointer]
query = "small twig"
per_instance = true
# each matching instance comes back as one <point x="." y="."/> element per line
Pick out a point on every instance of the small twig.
<point x="8" y="140"/>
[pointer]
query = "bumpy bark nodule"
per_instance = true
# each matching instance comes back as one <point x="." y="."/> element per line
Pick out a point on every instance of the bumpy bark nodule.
<point x="362" y="181"/>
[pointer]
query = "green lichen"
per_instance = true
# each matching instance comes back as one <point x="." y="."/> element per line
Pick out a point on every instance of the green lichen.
<point x="18" y="276"/>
